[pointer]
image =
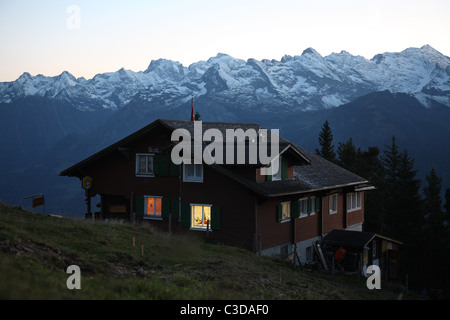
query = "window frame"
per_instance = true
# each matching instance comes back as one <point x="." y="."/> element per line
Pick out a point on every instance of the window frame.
<point x="278" y="176"/>
<point x="305" y="201"/>
<point x="192" y="178"/>
<point x="288" y="205"/>
<point x="153" y="216"/>
<point x="358" y="196"/>
<point x="330" y="197"/>
<point x="143" y="174"/>
<point x="202" y="228"/>
<point x="309" y="253"/>
<point x="313" y="205"/>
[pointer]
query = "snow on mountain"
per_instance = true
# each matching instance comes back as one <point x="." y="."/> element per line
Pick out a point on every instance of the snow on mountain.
<point x="306" y="82"/>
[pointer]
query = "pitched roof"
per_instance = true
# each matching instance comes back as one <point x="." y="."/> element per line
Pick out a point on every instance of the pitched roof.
<point x="314" y="173"/>
<point x="352" y="239"/>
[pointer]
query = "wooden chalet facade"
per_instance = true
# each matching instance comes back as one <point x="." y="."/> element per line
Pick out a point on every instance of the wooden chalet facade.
<point x="309" y="198"/>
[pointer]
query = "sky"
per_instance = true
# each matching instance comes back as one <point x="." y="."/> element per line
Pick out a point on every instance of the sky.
<point x="90" y="37"/>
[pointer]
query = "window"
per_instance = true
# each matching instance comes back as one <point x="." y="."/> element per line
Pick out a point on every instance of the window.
<point x="332" y="203"/>
<point x="353" y="201"/>
<point x="285" y="210"/>
<point x="309" y="253"/>
<point x="152" y="207"/>
<point x="277" y="175"/>
<point x="144" y="165"/>
<point x="193" y="172"/>
<point x="200" y="215"/>
<point x="312" y="205"/>
<point x="303" y="208"/>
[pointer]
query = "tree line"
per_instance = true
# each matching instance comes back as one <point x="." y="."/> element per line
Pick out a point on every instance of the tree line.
<point x="401" y="207"/>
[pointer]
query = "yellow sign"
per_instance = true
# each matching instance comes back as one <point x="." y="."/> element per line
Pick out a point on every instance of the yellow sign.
<point x="86" y="183"/>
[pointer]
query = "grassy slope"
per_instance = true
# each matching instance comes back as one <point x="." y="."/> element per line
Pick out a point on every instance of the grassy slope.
<point x="35" y="251"/>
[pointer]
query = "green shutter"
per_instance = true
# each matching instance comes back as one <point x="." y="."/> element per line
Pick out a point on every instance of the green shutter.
<point x="161" y="164"/>
<point x="309" y="202"/>
<point x="279" y="212"/>
<point x="269" y="174"/>
<point x="215" y="218"/>
<point x="284" y="168"/>
<point x="165" y="208"/>
<point x="185" y="216"/>
<point x="295" y="209"/>
<point x="140" y="206"/>
<point x="174" y="169"/>
<point x="318" y="203"/>
<point x="174" y="208"/>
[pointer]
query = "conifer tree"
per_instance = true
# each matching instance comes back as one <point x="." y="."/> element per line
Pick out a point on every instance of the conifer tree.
<point x="437" y="248"/>
<point x="326" y="143"/>
<point x="402" y="208"/>
<point x="447" y="208"/>
<point x="348" y="156"/>
<point x="391" y="164"/>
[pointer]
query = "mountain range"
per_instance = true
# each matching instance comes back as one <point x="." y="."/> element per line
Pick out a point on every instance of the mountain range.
<point x="49" y="123"/>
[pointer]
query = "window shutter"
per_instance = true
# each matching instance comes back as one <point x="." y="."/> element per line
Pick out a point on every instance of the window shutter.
<point x="295" y="209"/>
<point x="284" y="168"/>
<point x="165" y="208"/>
<point x="161" y="164"/>
<point x="318" y="203"/>
<point x="185" y="216"/>
<point x="140" y="206"/>
<point x="174" y="208"/>
<point x="269" y="174"/>
<point x="279" y="212"/>
<point x="215" y="218"/>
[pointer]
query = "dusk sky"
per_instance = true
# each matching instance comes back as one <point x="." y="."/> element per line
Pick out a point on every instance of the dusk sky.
<point x="90" y="37"/>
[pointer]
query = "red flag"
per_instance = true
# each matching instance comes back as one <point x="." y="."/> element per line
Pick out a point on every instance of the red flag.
<point x="38" y="201"/>
<point x="192" y="109"/>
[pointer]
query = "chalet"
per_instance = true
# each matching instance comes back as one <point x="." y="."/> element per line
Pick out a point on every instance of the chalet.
<point x="235" y="204"/>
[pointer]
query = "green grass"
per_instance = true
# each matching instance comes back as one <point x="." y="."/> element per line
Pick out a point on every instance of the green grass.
<point x="35" y="251"/>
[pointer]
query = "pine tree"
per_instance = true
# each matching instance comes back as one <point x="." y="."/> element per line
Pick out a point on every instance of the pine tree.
<point x="402" y="208"/>
<point x="348" y="156"/>
<point x="371" y="168"/>
<point x="437" y="248"/>
<point x="447" y="208"/>
<point x="391" y="164"/>
<point x="325" y="141"/>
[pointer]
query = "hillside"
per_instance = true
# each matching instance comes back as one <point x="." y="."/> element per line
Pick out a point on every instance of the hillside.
<point x="36" y="249"/>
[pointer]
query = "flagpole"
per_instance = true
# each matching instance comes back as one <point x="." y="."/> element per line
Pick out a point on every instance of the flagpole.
<point x="192" y="109"/>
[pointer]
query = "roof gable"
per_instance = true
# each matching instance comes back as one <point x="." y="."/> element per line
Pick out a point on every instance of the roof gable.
<point x="311" y="172"/>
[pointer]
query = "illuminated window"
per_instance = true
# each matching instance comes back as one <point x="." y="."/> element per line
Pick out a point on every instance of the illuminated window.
<point x="332" y="203"/>
<point x="193" y="172"/>
<point x="152" y="207"/>
<point x="144" y="165"/>
<point x="200" y="215"/>
<point x="285" y="210"/>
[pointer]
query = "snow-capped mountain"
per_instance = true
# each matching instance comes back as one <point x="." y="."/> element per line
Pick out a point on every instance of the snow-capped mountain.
<point x="305" y="82"/>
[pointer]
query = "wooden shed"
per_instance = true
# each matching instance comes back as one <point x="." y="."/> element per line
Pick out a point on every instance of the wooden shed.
<point x="365" y="249"/>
